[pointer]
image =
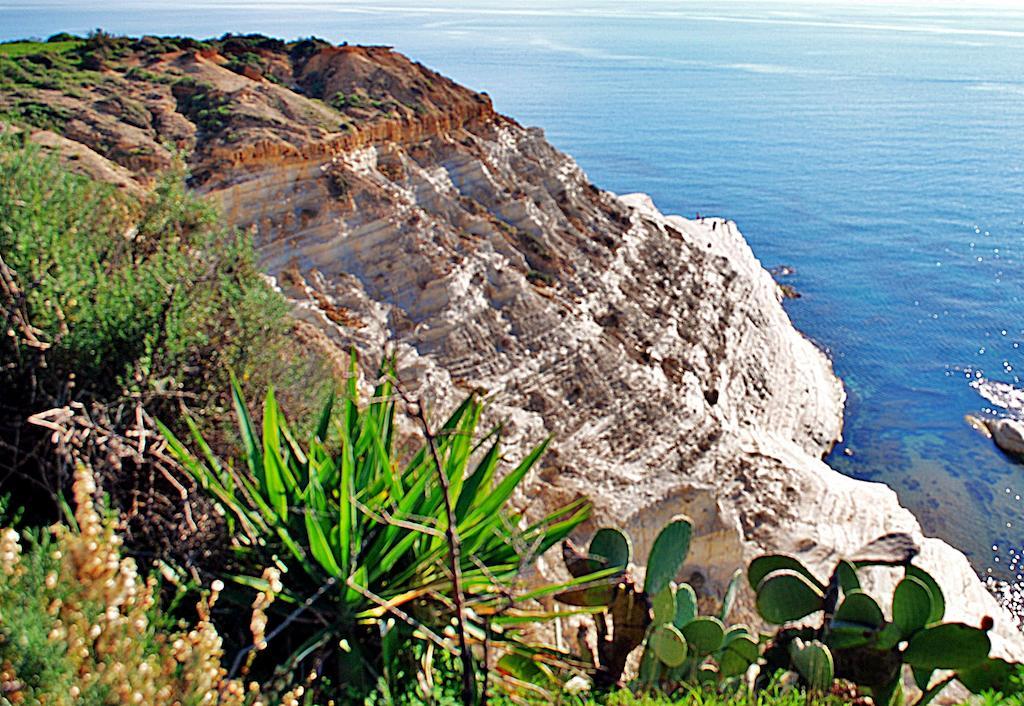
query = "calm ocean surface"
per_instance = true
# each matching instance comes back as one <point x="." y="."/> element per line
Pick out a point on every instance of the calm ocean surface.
<point x="879" y="152"/>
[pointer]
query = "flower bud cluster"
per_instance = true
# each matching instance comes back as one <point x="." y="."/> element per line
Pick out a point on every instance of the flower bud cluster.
<point x="95" y="603"/>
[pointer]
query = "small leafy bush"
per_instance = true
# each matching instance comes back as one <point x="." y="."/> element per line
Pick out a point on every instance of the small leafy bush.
<point x="341" y="101"/>
<point x="117" y="300"/>
<point x="203" y="104"/>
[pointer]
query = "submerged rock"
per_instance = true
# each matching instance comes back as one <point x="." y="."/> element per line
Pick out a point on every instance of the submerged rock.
<point x="1008" y="435"/>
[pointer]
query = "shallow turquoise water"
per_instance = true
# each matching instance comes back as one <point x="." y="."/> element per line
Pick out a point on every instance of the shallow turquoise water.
<point x="879" y="152"/>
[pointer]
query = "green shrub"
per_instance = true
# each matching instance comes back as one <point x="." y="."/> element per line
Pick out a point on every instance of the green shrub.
<point x="239" y="62"/>
<point x="340" y="101"/>
<point x="137" y="296"/>
<point x="134" y="299"/>
<point x="203" y="104"/>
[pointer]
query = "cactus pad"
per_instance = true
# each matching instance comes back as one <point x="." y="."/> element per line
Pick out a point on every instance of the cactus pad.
<point x="814" y="663"/>
<point x="686" y="605"/>
<point x="947" y="646"/>
<point x="707" y="674"/>
<point x="991" y="675"/>
<point x="664" y="605"/>
<point x="911" y="605"/>
<point x="786" y="595"/>
<point x="738" y="654"/>
<point x="847" y="574"/>
<point x="730" y="595"/>
<point x="650" y="667"/>
<point x="938" y="602"/>
<point x="612" y="547"/>
<point x="704" y="634"/>
<point x="669" y="645"/>
<point x="763" y="565"/>
<point x="845" y="636"/>
<point x="858" y="607"/>
<point x="668" y="554"/>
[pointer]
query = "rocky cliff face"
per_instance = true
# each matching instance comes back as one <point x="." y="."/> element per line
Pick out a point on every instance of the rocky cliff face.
<point x="400" y="209"/>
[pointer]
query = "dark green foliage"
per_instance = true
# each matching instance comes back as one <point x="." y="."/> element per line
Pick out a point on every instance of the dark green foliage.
<point x="238" y="62"/>
<point x="38" y="114"/>
<point x="203" y="104"/>
<point x="101" y="48"/>
<point x="855" y="641"/>
<point x="147" y="300"/>
<point x="248" y="43"/>
<point x="340" y="101"/>
<point x="301" y="50"/>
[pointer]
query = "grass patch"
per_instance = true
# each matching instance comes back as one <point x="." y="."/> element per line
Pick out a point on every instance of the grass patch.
<point x="18" y="49"/>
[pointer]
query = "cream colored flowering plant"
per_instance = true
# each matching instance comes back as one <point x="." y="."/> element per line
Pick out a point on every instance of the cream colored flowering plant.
<point x="78" y="625"/>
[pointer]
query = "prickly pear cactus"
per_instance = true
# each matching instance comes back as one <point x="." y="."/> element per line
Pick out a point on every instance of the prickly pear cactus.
<point x="669" y="645"/>
<point x="855" y="640"/>
<point x="813" y="661"/>
<point x="947" y="646"/>
<point x="686" y="605"/>
<point x="679" y="645"/>
<point x="664" y="605"/>
<point x="612" y="547"/>
<point x="704" y="634"/>
<point x="785" y="595"/>
<point x="668" y="554"/>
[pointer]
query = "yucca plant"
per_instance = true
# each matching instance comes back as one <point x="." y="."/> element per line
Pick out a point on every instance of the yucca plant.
<point x="361" y="538"/>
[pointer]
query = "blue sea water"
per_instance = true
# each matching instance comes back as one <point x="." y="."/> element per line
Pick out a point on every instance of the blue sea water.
<point x="877" y="150"/>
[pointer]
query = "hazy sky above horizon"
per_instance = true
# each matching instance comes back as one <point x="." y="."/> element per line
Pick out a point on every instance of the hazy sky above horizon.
<point x="40" y="18"/>
<point x="519" y="5"/>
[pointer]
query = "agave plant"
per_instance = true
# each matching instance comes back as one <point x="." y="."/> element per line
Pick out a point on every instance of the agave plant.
<point x="362" y="537"/>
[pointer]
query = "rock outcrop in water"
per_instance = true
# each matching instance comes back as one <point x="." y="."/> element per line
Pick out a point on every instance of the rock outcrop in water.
<point x="1008" y="435"/>
<point x="655" y="349"/>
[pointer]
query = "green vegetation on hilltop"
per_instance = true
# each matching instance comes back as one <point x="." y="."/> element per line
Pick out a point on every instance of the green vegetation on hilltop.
<point x="21" y="48"/>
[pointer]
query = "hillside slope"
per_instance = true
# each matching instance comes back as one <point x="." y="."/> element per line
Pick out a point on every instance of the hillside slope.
<point x="391" y="205"/>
